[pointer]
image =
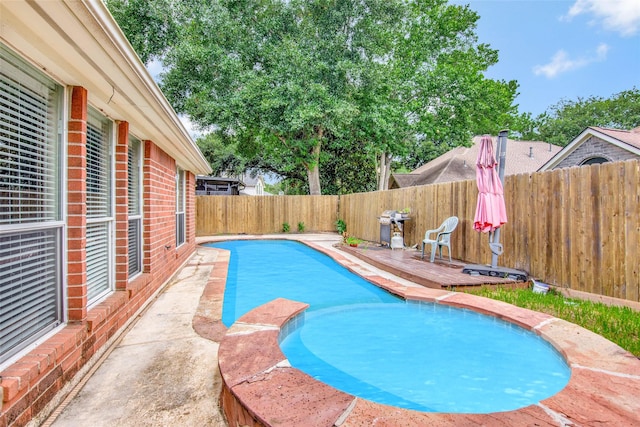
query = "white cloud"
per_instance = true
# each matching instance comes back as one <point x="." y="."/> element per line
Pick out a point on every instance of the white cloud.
<point x="561" y="62"/>
<point x="622" y="16"/>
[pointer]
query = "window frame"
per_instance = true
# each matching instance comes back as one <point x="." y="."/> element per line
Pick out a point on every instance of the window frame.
<point x="34" y="119"/>
<point x="135" y="215"/>
<point x="180" y="208"/>
<point x="594" y="160"/>
<point x="97" y="292"/>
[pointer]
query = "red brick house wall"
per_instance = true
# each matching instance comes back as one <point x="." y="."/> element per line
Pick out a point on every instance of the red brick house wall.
<point x="33" y="385"/>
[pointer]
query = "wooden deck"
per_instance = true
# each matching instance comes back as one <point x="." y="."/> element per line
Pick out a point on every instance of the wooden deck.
<point x="407" y="263"/>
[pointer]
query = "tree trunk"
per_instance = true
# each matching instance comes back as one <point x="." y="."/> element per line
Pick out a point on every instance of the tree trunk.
<point x="384" y="171"/>
<point x="313" y="171"/>
<point x="313" y="175"/>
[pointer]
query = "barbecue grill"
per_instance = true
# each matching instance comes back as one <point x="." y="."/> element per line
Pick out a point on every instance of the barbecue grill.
<point x="385" y="219"/>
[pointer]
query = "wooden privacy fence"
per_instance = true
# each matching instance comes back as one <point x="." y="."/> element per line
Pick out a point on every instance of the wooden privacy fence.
<point x="264" y="214"/>
<point x="577" y="228"/>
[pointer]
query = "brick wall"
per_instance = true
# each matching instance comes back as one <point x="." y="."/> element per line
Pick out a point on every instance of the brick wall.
<point x="77" y="207"/>
<point x="595" y="147"/>
<point x="35" y="383"/>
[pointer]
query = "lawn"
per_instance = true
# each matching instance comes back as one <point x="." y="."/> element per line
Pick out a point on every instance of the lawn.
<point x="618" y="324"/>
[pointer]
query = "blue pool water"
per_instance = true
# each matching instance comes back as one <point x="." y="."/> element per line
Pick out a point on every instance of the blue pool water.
<point x="366" y="342"/>
<point x="263" y="270"/>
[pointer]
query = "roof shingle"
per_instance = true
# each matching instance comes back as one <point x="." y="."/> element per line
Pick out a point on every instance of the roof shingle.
<point x="459" y="163"/>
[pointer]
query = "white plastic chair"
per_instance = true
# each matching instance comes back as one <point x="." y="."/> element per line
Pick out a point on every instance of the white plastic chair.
<point x="442" y="237"/>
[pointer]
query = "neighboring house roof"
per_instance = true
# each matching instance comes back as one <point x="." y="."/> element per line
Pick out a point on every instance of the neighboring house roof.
<point x="254" y="186"/>
<point x="98" y="57"/>
<point x="626" y="141"/>
<point x="459" y="163"/>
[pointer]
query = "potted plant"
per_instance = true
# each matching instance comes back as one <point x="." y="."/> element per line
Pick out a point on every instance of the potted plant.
<point x="353" y="241"/>
<point x="405" y="212"/>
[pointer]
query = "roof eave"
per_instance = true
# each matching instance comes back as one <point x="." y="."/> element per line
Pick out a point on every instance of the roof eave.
<point x="581" y="139"/>
<point x="79" y="44"/>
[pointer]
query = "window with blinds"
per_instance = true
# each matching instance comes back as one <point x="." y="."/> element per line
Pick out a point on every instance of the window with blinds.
<point x="30" y="204"/>
<point x="134" y="208"/>
<point x="180" y="207"/>
<point x="99" y="206"/>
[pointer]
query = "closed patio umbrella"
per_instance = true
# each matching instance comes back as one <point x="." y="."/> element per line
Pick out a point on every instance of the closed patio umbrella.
<point x="490" y="209"/>
<point x="491" y="212"/>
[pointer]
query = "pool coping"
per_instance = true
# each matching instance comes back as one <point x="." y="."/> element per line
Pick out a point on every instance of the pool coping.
<point x="260" y="388"/>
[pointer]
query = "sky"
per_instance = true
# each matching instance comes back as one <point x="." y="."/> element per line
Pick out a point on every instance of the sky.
<point x="561" y="49"/>
<point x="557" y="49"/>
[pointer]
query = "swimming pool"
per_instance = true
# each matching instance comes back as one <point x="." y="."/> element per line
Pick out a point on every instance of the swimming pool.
<point x="362" y="340"/>
<point x="262" y="270"/>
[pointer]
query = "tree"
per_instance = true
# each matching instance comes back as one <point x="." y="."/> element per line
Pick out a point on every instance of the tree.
<point x="222" y="156"/>
<point x="150" y="26"/>
<point x="562" y="122"/>
<point x="373" y="81"/>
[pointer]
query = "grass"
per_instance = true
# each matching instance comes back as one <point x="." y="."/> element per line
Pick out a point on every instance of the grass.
<point x="620" y="325"/>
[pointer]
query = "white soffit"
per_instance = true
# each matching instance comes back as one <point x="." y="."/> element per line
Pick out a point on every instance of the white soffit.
<point x="79" y="44"/>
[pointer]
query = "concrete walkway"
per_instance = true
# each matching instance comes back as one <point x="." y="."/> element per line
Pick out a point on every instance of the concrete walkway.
<point x="161" y="372"/>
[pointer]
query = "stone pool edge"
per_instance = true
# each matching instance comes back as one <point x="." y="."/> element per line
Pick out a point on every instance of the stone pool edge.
<point x="261" y="389"/>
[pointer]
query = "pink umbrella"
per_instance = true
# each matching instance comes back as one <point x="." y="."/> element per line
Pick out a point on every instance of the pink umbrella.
<point x="491" y="212"/>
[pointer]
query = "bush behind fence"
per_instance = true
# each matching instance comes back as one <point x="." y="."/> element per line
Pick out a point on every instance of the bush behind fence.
<point x="577" y="228"/>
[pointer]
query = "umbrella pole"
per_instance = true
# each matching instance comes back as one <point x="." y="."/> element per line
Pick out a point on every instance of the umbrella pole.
<point x="502" y="155"/>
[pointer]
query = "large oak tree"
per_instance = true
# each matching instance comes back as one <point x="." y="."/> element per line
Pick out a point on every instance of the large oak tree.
<point x="370" y="80"/>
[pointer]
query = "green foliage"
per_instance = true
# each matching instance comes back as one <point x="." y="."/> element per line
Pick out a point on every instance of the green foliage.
<point x="353" y="240"/>
<point x="149" y="26"/>
<point x="301" y="227"/>
<point x="275" y="188"/>
<point x="341" y="226"/>
<point x="618" y="324"/>
<point x="222" y="157"/>
<point x="523" y="127"/>
<point x="564" y="121"/>
<point x="286" y="227"/>
<point x="319" y="90"/>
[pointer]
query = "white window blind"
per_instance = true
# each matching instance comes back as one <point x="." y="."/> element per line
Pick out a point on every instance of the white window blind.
<point x="99" y="206"/>
<point x="180" y="219"/>
<point x="30" y="200"/>
<point x="134" y="208"/>
<point x="98" y="282"/>
<point x="29" y="110"/>
<point x="98" y="166"/>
